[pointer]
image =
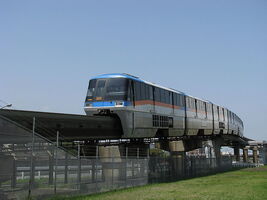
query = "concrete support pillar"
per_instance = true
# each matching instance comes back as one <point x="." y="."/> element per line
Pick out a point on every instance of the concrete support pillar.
<point x="217" y="151"/>
<point x="245" y="155"/>
<point x="157" y="145"/>
<point x="255" y="155"/>
<point x="237" y="153"/>
<point x="177" y="151"/>
<point x="110" y="157"/>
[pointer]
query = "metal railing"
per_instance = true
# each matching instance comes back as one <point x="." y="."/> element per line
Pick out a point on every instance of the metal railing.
<point x="31" y="166"/>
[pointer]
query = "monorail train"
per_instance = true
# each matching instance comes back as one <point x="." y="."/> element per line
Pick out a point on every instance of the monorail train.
<point x="149" y="110"/>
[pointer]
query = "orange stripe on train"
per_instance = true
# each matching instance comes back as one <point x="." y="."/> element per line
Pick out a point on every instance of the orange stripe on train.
<point x="150" y="102"/>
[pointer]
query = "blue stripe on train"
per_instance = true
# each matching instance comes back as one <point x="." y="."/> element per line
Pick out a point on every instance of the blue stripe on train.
<point x="107" y="103"/>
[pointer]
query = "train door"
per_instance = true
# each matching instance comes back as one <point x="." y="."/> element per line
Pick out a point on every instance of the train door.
<point x="151" y="97"/>
<point x="148" y="97"/>
<point x="156" y="99"/>
<point x="131" y="96"/>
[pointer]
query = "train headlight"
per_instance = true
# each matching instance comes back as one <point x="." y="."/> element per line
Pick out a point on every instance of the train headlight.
<point x="119" y="103"/>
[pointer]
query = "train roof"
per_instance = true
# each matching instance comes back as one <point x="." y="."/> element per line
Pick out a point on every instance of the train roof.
<point x="129" y="76"/>
<point x="118" y="75"/>
<point x="124" y="75"/>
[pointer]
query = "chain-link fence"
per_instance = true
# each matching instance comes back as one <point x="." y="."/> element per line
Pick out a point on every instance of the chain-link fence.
<point x="31" y="166"/>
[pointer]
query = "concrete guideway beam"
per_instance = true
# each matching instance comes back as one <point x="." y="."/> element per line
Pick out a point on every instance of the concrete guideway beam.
<point x="71" y="127"/>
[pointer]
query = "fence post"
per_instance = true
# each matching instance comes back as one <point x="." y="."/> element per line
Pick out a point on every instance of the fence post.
<point x="51" y="167"/>
<point x="112" y="172"/>
<point x="66" y="168"/>
<point x="14" y="176"/>
<point x="32" y="162"/>
<point x="96" y="167"/>
<point x="126" y="163"/>
<point x="79" y="167"/>
<point x="55" y="182"/>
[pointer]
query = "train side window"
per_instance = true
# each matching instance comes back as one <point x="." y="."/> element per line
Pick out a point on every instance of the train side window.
<point x="130" y="92"/>
<point x="214" y="112"/>
<point x="186" y="101"/>
<point x="181" y="100"/>
<point x="150" y="88"/>
<point x="218" y="112"/>
<point x="143" y="91"/>
<point x="167" y="97"/>
<point x="157" y="94"/>
<point x="178" y="100"/>
<point x="205" y="106"/>
<point x="171" y="98"/>
<point x="137" y="91"/>
<point x="210" y="108"/>
<point x="147" y="92"/>
<point x="194" y="103"/>
<point x="162" y="96"/>
<point x="175" y="99"/>
<point x="189" y="102"/>
<point x="140" y="91"/>
<point x="233" y="116"/>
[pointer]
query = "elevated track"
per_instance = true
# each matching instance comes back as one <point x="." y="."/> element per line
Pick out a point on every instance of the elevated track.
<point x="92" y="129"/>
<point x="71" y="127"/>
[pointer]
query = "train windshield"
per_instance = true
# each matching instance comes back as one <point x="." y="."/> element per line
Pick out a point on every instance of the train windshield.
<point x="107" y="89"/>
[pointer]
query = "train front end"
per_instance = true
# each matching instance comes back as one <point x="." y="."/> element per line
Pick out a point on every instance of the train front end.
<point x="106" y="94"/>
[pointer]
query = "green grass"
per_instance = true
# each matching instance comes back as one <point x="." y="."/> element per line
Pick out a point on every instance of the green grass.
<point x="245" y="184"/>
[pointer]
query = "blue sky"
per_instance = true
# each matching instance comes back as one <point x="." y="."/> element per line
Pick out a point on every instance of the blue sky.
<point x="216" y="50"/>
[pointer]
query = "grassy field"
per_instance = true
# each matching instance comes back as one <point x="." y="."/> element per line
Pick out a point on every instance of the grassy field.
<point x="236" y="185"/>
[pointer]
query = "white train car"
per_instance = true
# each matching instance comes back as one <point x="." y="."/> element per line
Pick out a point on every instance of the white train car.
<point x="149" y="110"/>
